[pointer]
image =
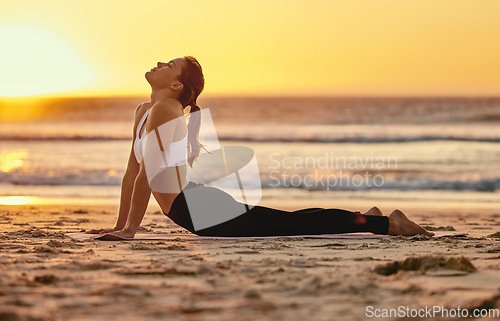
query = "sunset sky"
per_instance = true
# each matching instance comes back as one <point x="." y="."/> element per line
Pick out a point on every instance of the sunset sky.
<point x="348" y="47"/>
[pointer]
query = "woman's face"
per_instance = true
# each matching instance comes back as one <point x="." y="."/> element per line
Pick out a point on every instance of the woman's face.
<point x="165" y="73"/>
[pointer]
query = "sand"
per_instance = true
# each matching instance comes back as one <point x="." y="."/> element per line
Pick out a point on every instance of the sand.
<point x="47" y="276"/>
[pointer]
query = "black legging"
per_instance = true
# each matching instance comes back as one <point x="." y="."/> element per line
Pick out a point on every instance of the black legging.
<point x="264" y="221"/>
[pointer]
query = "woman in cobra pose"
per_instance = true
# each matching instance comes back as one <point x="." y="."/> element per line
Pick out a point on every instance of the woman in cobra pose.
<point x="176" y="85"/>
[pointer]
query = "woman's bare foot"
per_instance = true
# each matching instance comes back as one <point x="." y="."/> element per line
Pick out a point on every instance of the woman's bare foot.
<point x="373" y="211"/>
<point x="399" y="224"/>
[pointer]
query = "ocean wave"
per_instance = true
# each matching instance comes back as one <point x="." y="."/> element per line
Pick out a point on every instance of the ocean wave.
<point x="104" y="178"/>
<point x="90" y="177"/>
<point x="61" y="138"/>
<point x="270" y="139"/>
<point x="360" y="139"/>
<point x="482" y="185"/>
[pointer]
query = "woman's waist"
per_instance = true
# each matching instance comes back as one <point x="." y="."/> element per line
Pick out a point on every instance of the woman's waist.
<point x="166" y="200"/>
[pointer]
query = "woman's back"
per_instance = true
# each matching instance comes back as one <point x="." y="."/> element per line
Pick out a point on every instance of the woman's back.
<point x="167" y="170"/>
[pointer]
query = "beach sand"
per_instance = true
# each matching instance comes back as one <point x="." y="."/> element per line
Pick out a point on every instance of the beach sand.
<point x="47" y="276"/>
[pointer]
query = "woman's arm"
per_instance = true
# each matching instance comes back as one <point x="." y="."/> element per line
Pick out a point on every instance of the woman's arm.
<point x="140" y="196"/>
<point x="127" y="183"/>
<point x="128" y="178"/>
<point x="141" y="191"/>
<point x="127" y="187"/>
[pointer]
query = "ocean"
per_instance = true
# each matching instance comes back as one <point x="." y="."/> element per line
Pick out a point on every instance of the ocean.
<point x="311" y="151"/>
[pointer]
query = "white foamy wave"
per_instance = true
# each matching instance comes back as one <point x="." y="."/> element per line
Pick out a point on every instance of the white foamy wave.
<point x="8" y="137"/>
<point x="359" y="139"/>
<point x="271" y="139"/>
<point x="104" y="178"/>
<point x="90" y="177"/>
<point x="482" y="185"/>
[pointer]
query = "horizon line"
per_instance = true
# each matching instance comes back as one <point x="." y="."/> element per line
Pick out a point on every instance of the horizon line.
<point x="250" y="95"/>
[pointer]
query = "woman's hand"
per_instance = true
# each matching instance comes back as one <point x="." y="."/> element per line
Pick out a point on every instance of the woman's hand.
<point x="125" y="233"/>
<point x="102" y="230"/>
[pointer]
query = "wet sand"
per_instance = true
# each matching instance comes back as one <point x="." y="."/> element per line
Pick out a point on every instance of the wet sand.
<point x="47" y="276"/>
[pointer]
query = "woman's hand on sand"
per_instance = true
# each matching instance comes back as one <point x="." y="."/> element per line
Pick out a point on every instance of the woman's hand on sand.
<point x="127" y="234"/>
<point x="100" y="231"/>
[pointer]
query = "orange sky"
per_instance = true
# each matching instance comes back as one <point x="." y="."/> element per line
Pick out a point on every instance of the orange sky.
<point x="354" y="47"/>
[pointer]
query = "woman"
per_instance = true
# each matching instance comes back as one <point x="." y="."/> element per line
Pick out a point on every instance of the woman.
<point x="174" y="86"/>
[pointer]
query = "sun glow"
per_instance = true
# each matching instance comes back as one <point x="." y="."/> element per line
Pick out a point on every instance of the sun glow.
<point x="10" y="160"/>
<point x="36" y="62"/>
<point x="16" y="200"/>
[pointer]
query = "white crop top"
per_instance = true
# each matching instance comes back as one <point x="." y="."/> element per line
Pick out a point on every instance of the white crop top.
<point x="176" y="154"/>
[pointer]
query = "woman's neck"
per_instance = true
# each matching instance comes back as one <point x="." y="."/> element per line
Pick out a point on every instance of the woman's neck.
<point x="161" y="94"/>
